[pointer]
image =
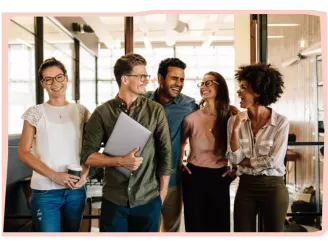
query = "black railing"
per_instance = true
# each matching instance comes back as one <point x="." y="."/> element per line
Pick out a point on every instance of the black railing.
<point x="304" y="143"/>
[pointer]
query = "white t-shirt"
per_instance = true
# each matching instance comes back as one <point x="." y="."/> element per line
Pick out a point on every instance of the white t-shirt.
<point x="58" y="139"/>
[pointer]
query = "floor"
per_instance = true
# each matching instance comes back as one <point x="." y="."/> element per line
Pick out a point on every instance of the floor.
<point x="96" y="190"/>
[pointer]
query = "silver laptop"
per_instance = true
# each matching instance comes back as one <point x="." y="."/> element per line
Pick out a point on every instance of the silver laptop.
<point x="127" y="135"/>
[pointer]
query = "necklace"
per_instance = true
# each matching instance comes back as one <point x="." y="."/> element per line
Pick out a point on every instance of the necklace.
<point x="202" y="110"/>
<point x="59" y="113"/>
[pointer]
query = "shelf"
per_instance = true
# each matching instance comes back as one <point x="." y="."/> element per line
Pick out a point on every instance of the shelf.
<point x="319" y="58"/>
<point x="320" y="83"/>
<point x="321" y="134"/>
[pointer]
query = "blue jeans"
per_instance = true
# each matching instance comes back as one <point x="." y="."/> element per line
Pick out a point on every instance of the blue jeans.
<point x="58" y="210"/>
<point x="144" y="218"/>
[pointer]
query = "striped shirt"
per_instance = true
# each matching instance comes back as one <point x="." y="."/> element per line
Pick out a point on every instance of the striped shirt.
<point x="266" y="150"/>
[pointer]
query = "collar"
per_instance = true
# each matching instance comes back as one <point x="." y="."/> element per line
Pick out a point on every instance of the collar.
<point x="121" y="104"/>
<point x="175" y="100"/>
<point x="273" y="118"/>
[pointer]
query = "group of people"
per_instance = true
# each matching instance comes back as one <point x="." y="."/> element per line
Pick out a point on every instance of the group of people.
<point x="224" y="142"/>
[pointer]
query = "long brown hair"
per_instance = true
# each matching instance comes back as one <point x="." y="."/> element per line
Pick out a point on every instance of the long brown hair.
<point x="223" y="112"/>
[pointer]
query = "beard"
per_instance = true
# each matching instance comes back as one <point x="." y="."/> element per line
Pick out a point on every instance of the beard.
<point x="167" y="91"/>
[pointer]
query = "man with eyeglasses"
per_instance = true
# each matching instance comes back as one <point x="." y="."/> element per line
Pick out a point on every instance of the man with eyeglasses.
<point x="176" y="105"/>
<point x="131" y="204"/>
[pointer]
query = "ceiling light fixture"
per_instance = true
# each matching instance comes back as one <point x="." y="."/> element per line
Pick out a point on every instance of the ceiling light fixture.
<point x="208" y="41"/>
<point x="171" y="37"/>
<point x="82" y="28"/>
<point x="147" y="43"/>
<point x="283" y="24"/>
<point x="276" y="36"/>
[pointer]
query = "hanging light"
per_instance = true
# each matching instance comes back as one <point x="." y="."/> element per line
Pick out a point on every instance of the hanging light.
<point x="208" y="41"/>
<point x="171" y="37"/>
<point x="147" y="43"/>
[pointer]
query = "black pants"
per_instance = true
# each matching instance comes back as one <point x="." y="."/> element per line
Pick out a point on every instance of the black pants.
<point x="206" y="199"/>
<point x="266" y="194"/>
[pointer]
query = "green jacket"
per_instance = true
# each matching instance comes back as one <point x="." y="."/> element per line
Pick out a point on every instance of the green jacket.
<point x="143" y="184"/>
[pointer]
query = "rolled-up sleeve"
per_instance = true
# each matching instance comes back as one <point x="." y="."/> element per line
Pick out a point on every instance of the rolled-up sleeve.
<point x="277" y="152"/>
<point x="163" y="145"/>
<point x="234" y="157"/>
<point x="93" y="136"/>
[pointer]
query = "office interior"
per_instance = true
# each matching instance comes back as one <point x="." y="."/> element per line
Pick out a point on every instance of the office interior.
<point x="90" y="45"/>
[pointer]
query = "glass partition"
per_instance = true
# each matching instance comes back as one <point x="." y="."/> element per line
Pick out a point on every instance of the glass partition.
<point x="21" y="75"/>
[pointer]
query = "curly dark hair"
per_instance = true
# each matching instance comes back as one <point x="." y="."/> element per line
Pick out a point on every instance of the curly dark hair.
<point x="125" y="64"/>
<point x="170" y="62"/>
<point x="51" y="62"/>
<point x="264" y="80"/>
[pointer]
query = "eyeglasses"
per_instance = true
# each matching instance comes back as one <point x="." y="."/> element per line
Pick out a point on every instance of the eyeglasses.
<point x="59" y="78"/>
<point x="142" y="77"/>
<point x="207" y="83"/>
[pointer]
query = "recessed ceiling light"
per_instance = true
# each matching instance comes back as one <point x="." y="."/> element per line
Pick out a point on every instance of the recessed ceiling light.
<point x="283" y="24"/>
<point x="275" y="36"/>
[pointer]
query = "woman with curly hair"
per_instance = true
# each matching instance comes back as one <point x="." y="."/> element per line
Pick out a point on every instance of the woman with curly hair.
<point x="257" y="143"/>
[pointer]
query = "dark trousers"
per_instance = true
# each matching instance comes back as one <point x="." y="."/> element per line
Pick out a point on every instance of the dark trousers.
<point x="144" y="218"/>
<point x="206" y="199"/>
<point x="266" y="194"/>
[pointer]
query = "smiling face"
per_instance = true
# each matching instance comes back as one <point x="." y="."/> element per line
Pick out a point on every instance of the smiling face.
<point x="247" y="95"/>
<point x="172" y="85"/>
<point x="134" y="84"/>
<point x="209" y="92"/>
<point x="55" y="89"/>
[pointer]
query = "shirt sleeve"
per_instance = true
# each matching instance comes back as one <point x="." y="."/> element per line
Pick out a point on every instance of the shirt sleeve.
<point x="277" y="152"/>
<point x="186" y="128"/>
<point x="163" y="145"/>
<point x="84" y="113"/>
<point x="234" y="157"/>
<point x="93" y="136"/>
<point x="33" y="115"/>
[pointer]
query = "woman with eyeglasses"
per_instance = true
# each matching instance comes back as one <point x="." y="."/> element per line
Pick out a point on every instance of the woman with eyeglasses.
<point x="257" y="141"/>
<point x="205" y="184"/>
<point x="54" y="132"/>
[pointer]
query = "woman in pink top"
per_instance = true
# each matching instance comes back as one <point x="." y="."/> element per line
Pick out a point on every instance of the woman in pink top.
<point x="205" y="187"/>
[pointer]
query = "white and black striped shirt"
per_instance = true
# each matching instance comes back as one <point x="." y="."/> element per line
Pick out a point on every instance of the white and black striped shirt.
<point x="266" y="150"/>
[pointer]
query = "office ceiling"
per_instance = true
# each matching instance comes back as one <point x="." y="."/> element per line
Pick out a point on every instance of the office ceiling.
<point x="160" y="29"/>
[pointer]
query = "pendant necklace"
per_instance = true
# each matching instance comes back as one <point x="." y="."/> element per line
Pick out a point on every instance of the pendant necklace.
<point x="202" y="109"/>
<point x="59" y="114"/>
<point x="59" y="111"/>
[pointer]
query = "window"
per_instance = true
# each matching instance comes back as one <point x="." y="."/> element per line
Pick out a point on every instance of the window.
<point x="87" y="79"/>
<point x="21" y="77"/>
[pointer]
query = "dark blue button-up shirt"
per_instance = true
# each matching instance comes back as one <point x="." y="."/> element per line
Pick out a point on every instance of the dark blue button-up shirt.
<point x="175" y="111"/>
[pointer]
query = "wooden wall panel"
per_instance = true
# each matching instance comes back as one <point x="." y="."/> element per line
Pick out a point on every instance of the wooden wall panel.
<point x="253" y="38"/>
<point x="297" y="101"/>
